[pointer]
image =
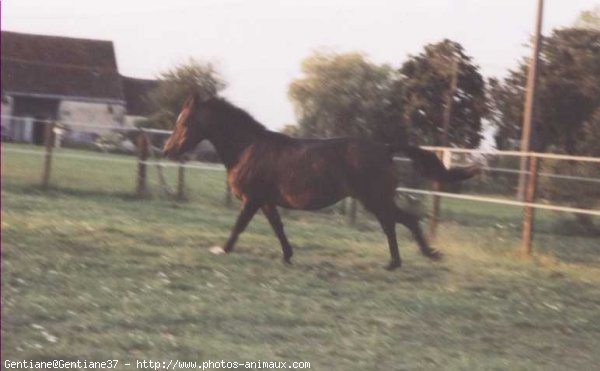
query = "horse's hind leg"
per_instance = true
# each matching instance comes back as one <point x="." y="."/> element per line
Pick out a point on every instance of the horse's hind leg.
<point x="272" y="215"/>
<point x="411" y="222"/>
<point x="249" y="208"/>
<point x="385" y="216"/>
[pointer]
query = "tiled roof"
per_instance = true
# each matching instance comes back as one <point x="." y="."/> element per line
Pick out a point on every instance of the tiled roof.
<point x="59" y="66"/>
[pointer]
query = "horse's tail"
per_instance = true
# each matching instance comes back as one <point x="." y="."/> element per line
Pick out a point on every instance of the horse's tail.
<point x="429" y="165"/>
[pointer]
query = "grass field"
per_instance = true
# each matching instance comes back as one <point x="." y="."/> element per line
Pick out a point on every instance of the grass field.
<point x="91" y="272"/>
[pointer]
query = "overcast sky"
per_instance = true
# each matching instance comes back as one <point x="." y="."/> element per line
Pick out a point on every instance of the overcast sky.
<point x="259" y="44"/>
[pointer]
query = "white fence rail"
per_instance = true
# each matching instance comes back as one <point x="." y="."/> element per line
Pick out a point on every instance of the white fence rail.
<point x="553" y="156"/>
<point x="500" y="201"/>
<point x="444" y="152"/>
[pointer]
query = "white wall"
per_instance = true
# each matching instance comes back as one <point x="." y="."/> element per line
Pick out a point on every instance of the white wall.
<point x="7" y="107"/>
<point x="85" y="119"/>
<point x="6" y="111"/>
<point x="21" y="129"/>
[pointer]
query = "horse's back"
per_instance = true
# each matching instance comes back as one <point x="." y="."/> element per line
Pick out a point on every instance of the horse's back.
<point x="314" y="173"/>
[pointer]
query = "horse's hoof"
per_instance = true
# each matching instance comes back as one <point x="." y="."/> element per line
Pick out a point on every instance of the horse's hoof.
<point x="217" y="250"/>
<point x="435" y="255"/>
<point x="287" y="261"/>
<point x="393" y="265"/>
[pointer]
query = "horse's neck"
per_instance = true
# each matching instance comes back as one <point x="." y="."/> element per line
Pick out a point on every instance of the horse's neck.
<point x="230" y="144"/>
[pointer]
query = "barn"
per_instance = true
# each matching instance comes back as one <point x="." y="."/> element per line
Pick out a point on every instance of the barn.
<point x="70" y="80"/>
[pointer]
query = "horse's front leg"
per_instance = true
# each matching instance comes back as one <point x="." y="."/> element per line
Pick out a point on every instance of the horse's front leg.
<point x="272" y="215"/>
<point x="249" y="208"/>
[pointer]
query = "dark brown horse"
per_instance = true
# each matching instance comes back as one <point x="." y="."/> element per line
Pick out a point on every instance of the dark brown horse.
<point x="266" y="169"/>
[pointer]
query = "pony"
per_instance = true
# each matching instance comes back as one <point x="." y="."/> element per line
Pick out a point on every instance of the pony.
<point x="266" y="169"/>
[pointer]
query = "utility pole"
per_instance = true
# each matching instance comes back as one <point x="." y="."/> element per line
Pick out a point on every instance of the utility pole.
<point x="450" y="101"/>
<point x="530" y="100"/>
<point x="435" y="202"/>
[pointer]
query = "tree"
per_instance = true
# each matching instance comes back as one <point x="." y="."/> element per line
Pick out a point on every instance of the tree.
<point x="506" y="107"/>
<point x="292" y="130"/>
<point x="567" y="116"/>
<point x="175" y="86"/>
<point x="581" y="193"/>
<point x="421" y="94"/>
<point x="568" y="93"/>
<point x="342" y="94"/>
<point x="589" y="19"/>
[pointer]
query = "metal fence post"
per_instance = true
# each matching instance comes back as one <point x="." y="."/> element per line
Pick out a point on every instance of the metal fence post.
<point x="529" y="212"/>
<point x="49" y="144"/>
<point x="143" y="150"/>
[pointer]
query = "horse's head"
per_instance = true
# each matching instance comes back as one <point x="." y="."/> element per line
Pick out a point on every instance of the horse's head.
<point x="191" y="128"/>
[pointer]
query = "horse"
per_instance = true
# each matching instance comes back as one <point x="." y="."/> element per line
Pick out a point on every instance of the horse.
<point x="266" y="169"/>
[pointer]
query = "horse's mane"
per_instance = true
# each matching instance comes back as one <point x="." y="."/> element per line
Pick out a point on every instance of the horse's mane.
<point x="233" y="114"/>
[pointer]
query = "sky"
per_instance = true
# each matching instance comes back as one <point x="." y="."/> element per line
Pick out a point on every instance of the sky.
<point x="258" y="45"/>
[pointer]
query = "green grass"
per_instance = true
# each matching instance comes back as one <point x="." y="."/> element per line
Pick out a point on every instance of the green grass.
<point x="91" y="272"/>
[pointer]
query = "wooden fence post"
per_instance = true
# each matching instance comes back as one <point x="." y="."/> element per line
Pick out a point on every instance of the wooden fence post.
<point x="181" y="182"/>
<point x="529" y="212"/>
<point x="143" y="150"/>
<point x="435" y="201"/>
<point x="49" y="143"/>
